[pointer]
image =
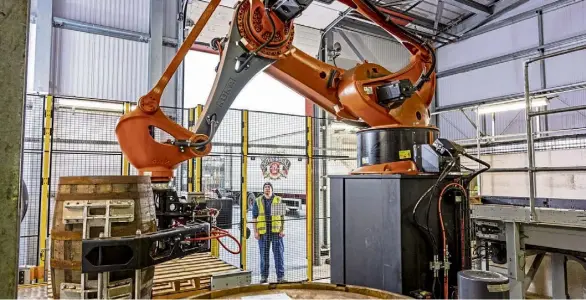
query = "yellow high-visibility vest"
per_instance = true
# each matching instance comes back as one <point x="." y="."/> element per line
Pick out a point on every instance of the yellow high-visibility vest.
<point x="276" y="221"/>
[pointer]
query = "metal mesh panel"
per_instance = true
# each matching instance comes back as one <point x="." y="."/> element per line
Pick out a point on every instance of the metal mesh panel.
<point x="339" y="140"/>
<point x="33" y="125"/>
<point x="31" y="175"/>
<point x="457" y="125"/>
<point x="29" y="227"/>
<point x="177" y="116"/>
<point x="276" y="134"/>
<point x="78" y="128"/>
<point x="294" y="242"/>
<point x="228" y="138"/>
<point x="223" y="173"/>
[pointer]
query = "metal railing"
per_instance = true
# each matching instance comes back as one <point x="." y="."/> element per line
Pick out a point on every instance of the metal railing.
<point x="529" y="114"/>
<point x="468" y="131"/>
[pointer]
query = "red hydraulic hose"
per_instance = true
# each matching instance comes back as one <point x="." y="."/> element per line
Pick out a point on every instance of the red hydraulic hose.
<point x="444" y="240"/>
<point x="216" y="234"/>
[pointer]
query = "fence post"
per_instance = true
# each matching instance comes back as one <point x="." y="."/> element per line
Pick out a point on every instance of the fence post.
<point x="125" y="162"/>
<point x="190" y="162"/>
<point x="309" y="198"/>
<point x="45" y="183"/>
<point x="244" y="190"/>
<point x="198" y="168"/>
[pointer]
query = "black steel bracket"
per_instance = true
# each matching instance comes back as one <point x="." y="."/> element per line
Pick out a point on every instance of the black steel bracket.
<point x="143" y="250"/>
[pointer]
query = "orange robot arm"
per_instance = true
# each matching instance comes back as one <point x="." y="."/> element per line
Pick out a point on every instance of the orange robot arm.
<point x="260" y="39"/>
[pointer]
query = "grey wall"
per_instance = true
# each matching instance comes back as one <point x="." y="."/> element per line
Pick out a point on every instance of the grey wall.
<point x="387" y="53"/>
<point x="489" y="66"/>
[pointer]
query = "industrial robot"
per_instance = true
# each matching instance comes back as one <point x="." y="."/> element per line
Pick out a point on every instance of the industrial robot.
<point x="391" y="108"/>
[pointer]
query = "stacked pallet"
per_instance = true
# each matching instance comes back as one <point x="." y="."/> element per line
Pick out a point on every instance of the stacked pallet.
<point x="176" y="277"/>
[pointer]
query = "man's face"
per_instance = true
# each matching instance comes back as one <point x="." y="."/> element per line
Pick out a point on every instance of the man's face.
<point x="268" y="191"/>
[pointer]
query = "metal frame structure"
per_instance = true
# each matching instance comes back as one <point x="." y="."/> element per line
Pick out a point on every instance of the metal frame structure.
<point x="469" y="15"/>
<point x="561" y="230"/>
<point x="529" y="114"/>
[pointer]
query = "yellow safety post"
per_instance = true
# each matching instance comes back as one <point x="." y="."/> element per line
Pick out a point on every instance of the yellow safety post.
<point x="190" y="169"/>
<point x="198" y="168"/>
<point x="244" y="190"/>
<point x="125" y="162"/>
<point x="46" y="183"/>
<point x="309" y="199"/>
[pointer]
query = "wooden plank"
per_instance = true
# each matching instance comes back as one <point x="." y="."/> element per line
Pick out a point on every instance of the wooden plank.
<point x="196" y="256"/>
<point x="186" y="269"/>
<point x="202" y="271"/>
<point x="187" y="277"/>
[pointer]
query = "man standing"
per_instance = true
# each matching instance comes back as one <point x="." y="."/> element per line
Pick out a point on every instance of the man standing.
<point x="268" y="230"/>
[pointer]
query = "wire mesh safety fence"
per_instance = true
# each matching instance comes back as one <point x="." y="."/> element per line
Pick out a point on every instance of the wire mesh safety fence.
<point x="287" y="175"/>
<point x="277" y="134"/>
<point x="83" y="143"/>
<point x="31" y="175"/>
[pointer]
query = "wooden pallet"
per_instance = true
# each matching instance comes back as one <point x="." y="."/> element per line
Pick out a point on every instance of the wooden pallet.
<point x="175" y="277"/>
<point x="187" y="274"/>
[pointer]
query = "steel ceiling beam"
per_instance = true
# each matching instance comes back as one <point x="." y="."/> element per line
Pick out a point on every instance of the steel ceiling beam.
<point x="477" y="20"/>
<point x="428" y="35"/>
<point x="438" y="14"/>
<point x="352" y="46"/>
<point x="416" y="19"/>
<point x="471" y="6"/>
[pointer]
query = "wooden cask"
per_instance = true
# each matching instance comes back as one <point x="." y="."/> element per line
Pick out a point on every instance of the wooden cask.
<point x="125" y="203"/>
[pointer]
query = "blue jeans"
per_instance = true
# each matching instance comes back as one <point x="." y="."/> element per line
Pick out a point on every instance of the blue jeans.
<point x="264" y="242"/>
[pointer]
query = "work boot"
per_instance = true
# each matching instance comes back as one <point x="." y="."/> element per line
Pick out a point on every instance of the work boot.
<point x="281" y="280"/>
<point x="263" y="280"/>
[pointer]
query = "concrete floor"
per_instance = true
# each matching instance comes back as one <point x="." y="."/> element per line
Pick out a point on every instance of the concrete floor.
<point x="36" y="292"/>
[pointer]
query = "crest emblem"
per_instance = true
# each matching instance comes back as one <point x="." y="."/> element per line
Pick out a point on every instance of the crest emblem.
<point x="275" y="168"/>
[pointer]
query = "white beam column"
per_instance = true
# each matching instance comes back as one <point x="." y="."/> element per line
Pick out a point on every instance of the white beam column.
<point x="156" y="42"/>
<point x="43" y="47"/>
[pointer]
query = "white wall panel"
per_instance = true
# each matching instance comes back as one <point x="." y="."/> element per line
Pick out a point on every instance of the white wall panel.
<point x="168" y="98"/>
<point x="171" y="9"/>
<point x="494" y="81"/>
<point x="30" y="59"/>
<point x="575" y="119"/>
<point x="510" y="122"/>
<point x="94" y="66"/>
<point x="505" y="40"/>
<point x="565" y="22"/>
<point x="317" y="16"/>
<point x="122" y="14"/>
<point x="455" y="126"/>
<point x="217" y="26"/>
<point x="389" y="54"/>
<point x="307" y="39"/>
<point x="566" y="69"/>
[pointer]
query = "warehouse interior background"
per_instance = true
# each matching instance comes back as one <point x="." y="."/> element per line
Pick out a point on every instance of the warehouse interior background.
<point x="89" y="62"/>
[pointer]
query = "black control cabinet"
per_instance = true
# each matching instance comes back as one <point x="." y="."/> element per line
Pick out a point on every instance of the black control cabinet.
<point x="375" y="243"/>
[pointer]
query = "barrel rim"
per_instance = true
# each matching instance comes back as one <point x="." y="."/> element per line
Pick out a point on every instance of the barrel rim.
<point x="73" y="180"/>
<point x="485" y="276"/>
<point x="366" y="291"/>
<point x="399" y="128"/>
